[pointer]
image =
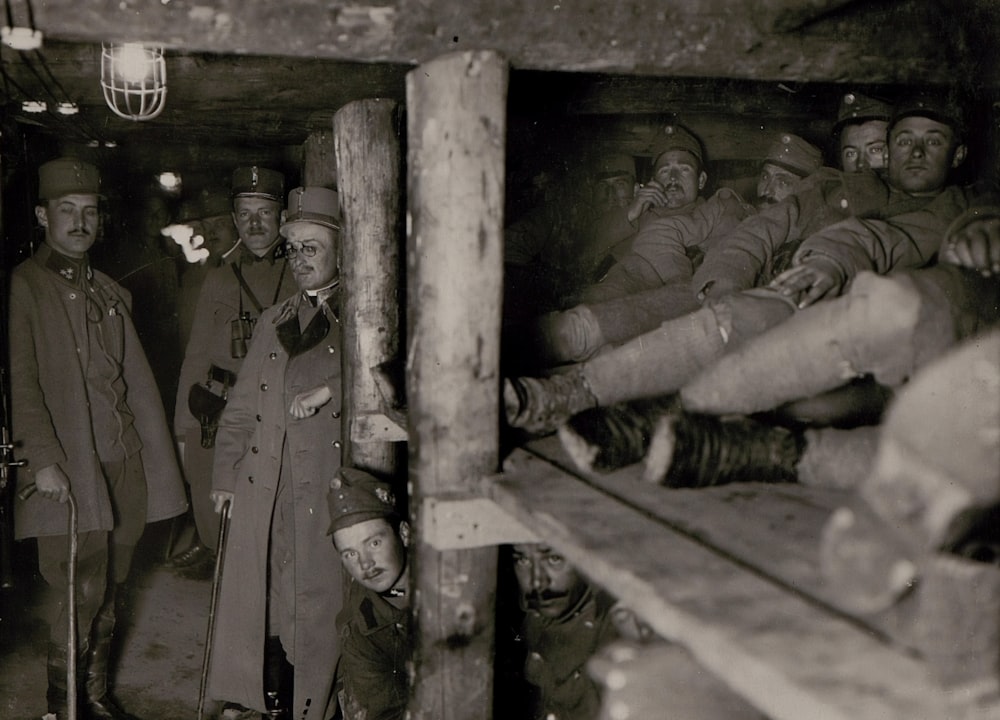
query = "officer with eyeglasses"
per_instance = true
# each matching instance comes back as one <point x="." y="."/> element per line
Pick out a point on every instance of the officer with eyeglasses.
<point x="278" y="447"/>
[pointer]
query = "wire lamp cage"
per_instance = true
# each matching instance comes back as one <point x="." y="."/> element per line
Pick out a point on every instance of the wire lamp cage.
<point x="134" y="79"/>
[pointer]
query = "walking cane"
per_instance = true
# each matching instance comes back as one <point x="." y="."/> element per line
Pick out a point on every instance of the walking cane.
<point x="70" y="601"/>
<point x="216" y="577"/>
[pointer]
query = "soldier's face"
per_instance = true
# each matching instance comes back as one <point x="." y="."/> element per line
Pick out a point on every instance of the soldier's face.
<point x="549" y="585"/>
<point x="372" y="553"/>
<point x="774" y="184"/>
<point x="921" y="154"/>
<point x="613" y="192"/>
<point x="680" y="176"/>
<point x="312" y="254"/>
<point x="71" y="223"/>
<point x="862" y="146"/>
<point x="257" y="221"/>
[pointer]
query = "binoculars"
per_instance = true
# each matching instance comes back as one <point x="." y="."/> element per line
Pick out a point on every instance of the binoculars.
<point x="241" y="330"/>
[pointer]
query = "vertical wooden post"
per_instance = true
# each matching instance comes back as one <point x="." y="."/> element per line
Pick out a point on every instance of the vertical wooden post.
<point x="369" y="165"/>
<point x="456" y="128"/>
<point x="319" y="167"/>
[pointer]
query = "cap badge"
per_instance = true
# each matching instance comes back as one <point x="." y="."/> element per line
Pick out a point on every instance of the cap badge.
<point x="384" y="495"/>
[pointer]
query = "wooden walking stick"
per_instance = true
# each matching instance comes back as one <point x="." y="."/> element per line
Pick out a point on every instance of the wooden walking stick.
<point x="216" y="577"/>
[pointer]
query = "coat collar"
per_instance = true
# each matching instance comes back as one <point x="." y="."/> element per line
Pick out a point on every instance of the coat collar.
<point x="72" y="270"/>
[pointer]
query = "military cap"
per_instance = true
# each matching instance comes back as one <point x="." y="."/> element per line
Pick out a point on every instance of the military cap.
<point x="355" y="496"/>
<point x="794" y="154"/>
<point x="675" y="137"/>
<point x="615" y="165"/>
<point x="856" y="108"/>
<point x="930" y="106"/>
<point x="256" y="181"/>
<point x="67" y="176"/>
<point x="317" y="205"/>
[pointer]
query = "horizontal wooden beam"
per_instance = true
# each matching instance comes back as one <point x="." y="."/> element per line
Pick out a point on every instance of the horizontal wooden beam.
<point x="377" y="427"/>
<point x="697" y="38"/>
<point x="469" y="523"/>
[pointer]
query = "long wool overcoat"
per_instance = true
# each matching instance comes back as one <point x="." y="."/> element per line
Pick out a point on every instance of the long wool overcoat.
<point x="255" y="434"/>
<point x="49" y="352"/>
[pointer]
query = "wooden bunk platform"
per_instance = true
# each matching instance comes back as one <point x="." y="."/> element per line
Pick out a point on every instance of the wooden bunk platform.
<point x="732" y="574"/>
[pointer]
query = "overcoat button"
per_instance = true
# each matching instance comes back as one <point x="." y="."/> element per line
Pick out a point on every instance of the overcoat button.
<point x="254" y="450"/>
<point x="336" y="443"/>
<point x="263" y="386"/>
<point x="336" y="414"/>
<point x="274" y="356"/>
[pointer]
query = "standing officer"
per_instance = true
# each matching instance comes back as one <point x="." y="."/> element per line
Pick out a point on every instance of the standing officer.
<point x="278" y="449"/>
<point x="231" y="300"/>
<point x="88" y="422"/>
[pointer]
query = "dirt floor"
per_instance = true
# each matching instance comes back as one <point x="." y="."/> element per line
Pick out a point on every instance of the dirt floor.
<point x="161" y="640"/>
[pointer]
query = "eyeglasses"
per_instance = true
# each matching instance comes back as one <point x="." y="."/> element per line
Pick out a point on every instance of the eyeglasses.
<point x="306" y="250"/>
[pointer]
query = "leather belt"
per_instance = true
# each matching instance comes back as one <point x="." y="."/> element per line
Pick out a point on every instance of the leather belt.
<point x="220" y="375"/>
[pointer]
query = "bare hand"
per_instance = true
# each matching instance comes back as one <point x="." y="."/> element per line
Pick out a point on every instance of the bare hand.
<point x="975" y="246"/>
<point x="51" y="482"/>
<point x="647" y="196"/>
<point x="306" y="404"/>
<point x="219" y="500"/>
<point x="815" y="278"/>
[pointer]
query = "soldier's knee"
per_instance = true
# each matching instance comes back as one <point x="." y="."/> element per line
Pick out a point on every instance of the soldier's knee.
<point x="878" y="324"/>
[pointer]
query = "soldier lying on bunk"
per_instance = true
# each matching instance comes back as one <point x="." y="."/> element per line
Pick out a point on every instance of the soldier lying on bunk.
<point x="926" y="143"/>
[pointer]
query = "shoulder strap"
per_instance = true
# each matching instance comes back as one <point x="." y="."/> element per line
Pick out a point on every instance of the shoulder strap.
<point x="246" y="288"/>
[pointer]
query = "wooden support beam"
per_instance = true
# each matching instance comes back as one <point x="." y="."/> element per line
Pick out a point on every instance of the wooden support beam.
<point x="695" y="38"/>
<point x="369" y="163"/>
<point x="469" y="523"/>
<point x="320" y="164"/>
<point x="456" y="129"/>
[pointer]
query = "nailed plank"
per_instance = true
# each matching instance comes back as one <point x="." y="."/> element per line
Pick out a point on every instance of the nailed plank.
<point x="774" y="529"/>
<point x="789" y="658"/>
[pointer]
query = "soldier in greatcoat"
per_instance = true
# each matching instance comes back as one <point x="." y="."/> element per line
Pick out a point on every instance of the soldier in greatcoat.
<point x="278" y="448"/>
<point x="88" y="420"/>
<point x="253" y="276"/>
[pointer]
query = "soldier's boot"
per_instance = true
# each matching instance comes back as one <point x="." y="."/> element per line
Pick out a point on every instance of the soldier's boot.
<point x="100" y="705"/>
<point x="606" y="438"/>
<point x="541" y="405"/>
<point x="691" y="450"/>
<point x="55" y="695"/>
<point x="278" y="680"/>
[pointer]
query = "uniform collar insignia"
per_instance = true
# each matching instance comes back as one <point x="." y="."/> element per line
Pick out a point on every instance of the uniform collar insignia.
<point x="73" y="270"/>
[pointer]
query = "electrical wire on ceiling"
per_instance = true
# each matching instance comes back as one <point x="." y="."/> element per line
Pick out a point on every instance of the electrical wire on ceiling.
<point x="78" y="129"/>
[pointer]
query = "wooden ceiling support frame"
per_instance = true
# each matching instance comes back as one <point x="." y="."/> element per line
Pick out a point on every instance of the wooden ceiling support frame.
<point x="456" y="130"/>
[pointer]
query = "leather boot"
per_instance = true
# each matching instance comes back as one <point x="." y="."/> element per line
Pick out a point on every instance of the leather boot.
<point x="607" y="438"/>
<point x="100" y="704"/>
<point x="55" y="695"/>
<point x="692" y="450"/>
<point x="278" y="680"/>
<point x="540" y="405"/>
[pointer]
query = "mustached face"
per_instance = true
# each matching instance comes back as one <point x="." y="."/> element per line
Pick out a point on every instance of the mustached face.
<point x="257" y="220"/>
<point x="774" y="184"/>
<point x="71" y="223"/>
<point x="312" y="254"/>
<point x="373" y="553"/>
<point x="549" y="585"/>
<point x="680" y="176"/>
